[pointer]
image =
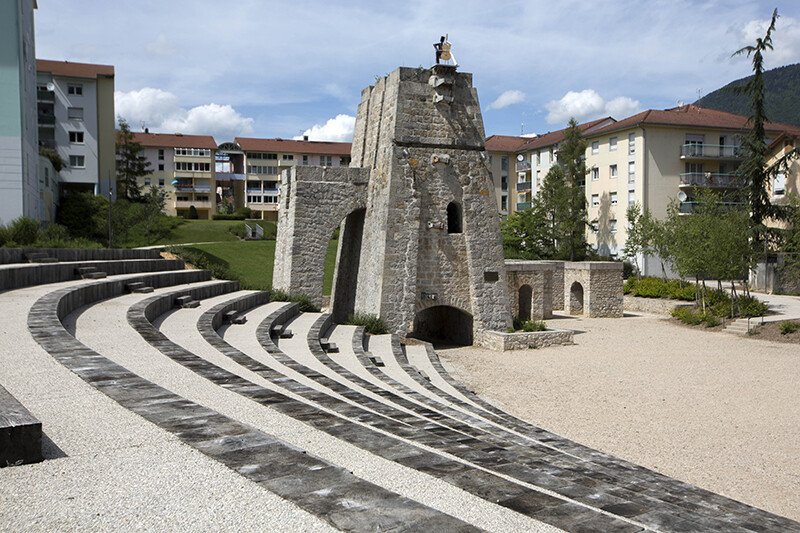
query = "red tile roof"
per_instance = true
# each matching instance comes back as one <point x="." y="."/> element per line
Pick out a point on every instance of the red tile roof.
<point x="74" y="70"/>
<point x="689" y="116"/>
<point x="294" y="147"/>
<point x="174" y="140"/>
<point x="504" y="143"/>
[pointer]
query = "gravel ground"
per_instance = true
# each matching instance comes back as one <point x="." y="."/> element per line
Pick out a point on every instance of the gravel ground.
<point x="713" y="409"/>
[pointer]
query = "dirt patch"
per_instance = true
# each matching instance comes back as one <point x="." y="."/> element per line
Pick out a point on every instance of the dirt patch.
<point x="771" y="332"/>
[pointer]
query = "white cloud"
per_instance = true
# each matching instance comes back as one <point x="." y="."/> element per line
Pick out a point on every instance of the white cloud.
<point x="339" y="129"/>
<point x="506" y="99"/>
<point x="785" y="39"/>
<point x="159" y="111"/>
<point x="587" y="105"/>
<point x="161" y="46"/>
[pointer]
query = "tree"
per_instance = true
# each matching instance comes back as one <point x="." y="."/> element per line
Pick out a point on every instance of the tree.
<point x="754" y="166"/>
<point x="524" y="235"/>
<point x="154" y="201"/>
<point x="641" y="234"/>
<point x="552" y="203"/>
<point x="131" y="164"/>
<point x="571" y="157"/>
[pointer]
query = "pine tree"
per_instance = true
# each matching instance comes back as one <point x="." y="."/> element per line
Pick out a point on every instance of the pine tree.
<point x="571" y="157"/>
<point x="131" y="164"/>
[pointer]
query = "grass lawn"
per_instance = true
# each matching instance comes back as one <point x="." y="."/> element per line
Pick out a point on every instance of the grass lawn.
<point x="252" y="261"/>
<point x="202" y="231"/>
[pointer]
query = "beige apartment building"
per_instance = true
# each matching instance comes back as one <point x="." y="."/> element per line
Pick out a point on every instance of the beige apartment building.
<point x="184" y="165"/>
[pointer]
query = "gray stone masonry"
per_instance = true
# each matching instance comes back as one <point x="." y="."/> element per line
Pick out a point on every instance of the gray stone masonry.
<point x="501" y="342"/>
<point x="538" y="276"/>
<point x="593" y="288"/>
<point x="420" y="226"/>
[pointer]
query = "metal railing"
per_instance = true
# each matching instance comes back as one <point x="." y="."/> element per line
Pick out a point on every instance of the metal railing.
<point x="523" y="186"/>
<point x="522" y="166"/>
<point x="522" y="206"/>
<point x="730" y="151"/>
<point x="710" y="179"/>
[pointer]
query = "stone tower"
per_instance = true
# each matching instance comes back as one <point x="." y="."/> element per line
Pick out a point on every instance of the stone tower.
<point x="420" y="236"/>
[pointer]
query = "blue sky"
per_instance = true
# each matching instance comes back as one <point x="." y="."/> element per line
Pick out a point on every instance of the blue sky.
<point x="282" y="69"/>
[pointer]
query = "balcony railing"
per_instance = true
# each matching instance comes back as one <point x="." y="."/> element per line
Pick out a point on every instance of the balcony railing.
<point x="257" y="190"/>
<point x="46" y="96"/>
<point x="46" y="119"/>
<point x="710" y="151"/>
<point x="687" y="208"/>
<point x="522" y="166"/>
<point x="523" y="186"/>
<point x="196" y="203"/>
<point x="522" y="206"/>
<point x="710" y="180"/>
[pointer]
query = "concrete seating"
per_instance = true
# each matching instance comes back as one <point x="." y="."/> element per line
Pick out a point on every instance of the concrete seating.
<point x="40" y="257"/>
<point x="20" y="433"/>
<point x="139" y="288"/>
<point x="186" y="301"/>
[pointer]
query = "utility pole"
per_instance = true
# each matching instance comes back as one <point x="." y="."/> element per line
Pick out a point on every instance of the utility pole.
<point x="110" y="192"/>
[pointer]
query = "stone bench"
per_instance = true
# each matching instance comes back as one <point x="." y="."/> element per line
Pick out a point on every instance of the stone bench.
<point x="20" y="433"/>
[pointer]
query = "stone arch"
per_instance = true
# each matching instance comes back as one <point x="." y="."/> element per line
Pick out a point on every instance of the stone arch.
<point x="525" y="299"/>
<point x="455" y="219"/>
<point x="443" y="324"/>
<point x="576" y="298"/>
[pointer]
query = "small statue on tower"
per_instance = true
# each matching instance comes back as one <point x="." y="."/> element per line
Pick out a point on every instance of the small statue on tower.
<point x="443" y="52"/>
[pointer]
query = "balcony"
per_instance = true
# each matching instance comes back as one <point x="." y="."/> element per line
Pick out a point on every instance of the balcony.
<point x="523" y="186"/>
<point x="45" y="96"/>
<point x="710" y="180"/>
<point x="256" y="190"/>
<point x="523" y="166"/>
<point x="710" y="151"/>
<point x="687" y="208"/>
<point x="522" y="206"/>
<point x="180" y="204"/>
<point x="48" y="120"/>
<point x="286" y="163"/>
<point x="272" y="192"/>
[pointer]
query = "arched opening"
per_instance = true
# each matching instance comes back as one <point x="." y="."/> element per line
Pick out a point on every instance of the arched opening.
<point x="525" y="295"/>
<point x="443" y="324"/>
<point x="454" y="224"/>
<point x="348" y="257"/>
<point x="576" y="299"/>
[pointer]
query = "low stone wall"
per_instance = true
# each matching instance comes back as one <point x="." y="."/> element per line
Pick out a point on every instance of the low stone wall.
<point x="17" y="255"/>
<point x="499" y="341"/>
<point x="593" y="289"/>
<point x="655" y="306"/>
<point x="20" y="432"/>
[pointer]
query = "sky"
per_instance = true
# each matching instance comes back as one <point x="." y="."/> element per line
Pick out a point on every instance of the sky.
<point x="284" y="69"/>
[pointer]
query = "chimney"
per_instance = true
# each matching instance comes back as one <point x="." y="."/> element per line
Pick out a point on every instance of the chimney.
<point x="147" y="130"/>
<point x="305" y="137"/>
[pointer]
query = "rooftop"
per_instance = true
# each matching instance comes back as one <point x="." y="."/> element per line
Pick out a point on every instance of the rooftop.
<point x="294" y="147"/>
<point x="174" y="140"/>
<point x="74" y="70"/>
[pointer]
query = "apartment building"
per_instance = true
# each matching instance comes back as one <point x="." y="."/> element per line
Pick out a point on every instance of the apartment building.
<point x="262" y="161"/>
<point x="76" y="119"/>
<point x="185" y="166"/>
<point x="656" y="157"/>
<point x="531" y="158"/>
<point x="19" y="158"/>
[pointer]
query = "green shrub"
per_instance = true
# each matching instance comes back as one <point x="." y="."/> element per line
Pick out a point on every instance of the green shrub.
<point x="534" y="325"/>
<point x="192" y="214"/>
<point x="651" y="288"/>
<point x="246" y="212"/>
<point x="686" y="293"/>
<point x="24" y="230"/>
<point x="788" y="326"/>
<point x="627" y="269"/>
<point x="629" y="286"/>
<point x="225" y="216"/>
<point x="516" y="323"/>
<point x="709" y="320"/>
<point x="374" y="325"/>
<point x="687" y="315"/>
<point x="306" y="304"/>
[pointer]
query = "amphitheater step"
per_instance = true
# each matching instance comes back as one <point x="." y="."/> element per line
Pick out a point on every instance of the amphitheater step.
<point x="186" y="302"/>
<point x="40" y="257"/>
<point x="279" y="330"/>
<point x="327" y="345"/>
<point x="20" y="433"/>
<point x="139" y="287"/>
<point x="233" y="317"/>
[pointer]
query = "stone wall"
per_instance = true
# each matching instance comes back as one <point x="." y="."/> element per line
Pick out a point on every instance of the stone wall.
<point x="538" y="275"/>
<point x="499" y="341"/>
<point x="655" y="306"/>
<point x="600" y="283"/>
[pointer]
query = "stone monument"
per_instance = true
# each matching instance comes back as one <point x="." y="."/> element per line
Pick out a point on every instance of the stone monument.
<point x="419" y="241"/>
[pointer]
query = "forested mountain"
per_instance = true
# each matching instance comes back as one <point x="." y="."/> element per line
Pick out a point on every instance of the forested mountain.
<point x="782" y="100"/>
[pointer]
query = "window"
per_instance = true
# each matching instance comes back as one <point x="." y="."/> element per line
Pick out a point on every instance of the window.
<point x="595" y="227"/>
<point x="613" y="198"/>
<point x="552" y="155"/>
<point x="612" y="171"/>
<point x="780" y="184"/>
<point x="631" y="143"/>
<point x="182" y="166"/>
<point x="75" y="113"/>
<point x="161" y="167"/>
<point x="595" y="200"/>
<point x="77" y="161"/>
<point x="631" y="171"/>
<point x="325" y="161"/>
<point x="612" y="226"/>
<point x="595" y="174"/>
<point x="160" y="154"/>
<point x="631" y="197"/>
<point x="193" y="152"/>
<point x="538" y="178"/>
<point x="75" y="89"/>
<point x="305" y="159"/>
<point x="287" y="157"/>
<point x="595" y="147"/>
<point x="147" y="182"/>
<point x="504" y="163"/>
<point x="491" y="160"/>
<point x="504" y="203"/>
<point x="453" y="218"/>
<point x="344" y="161"/>
<point x="262" y="169"/>
<point x="612" y="144"/>
<point x="160" y="182"/>
<point x="76" y="137"/>
<point x="504" y="183"/>
<point x="539" y="158"/>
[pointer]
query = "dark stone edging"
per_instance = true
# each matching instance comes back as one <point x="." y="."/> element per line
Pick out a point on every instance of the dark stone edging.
<point x="20" y="432"/>
<point x="43" y="273"/>
<point x="17" y="255"/>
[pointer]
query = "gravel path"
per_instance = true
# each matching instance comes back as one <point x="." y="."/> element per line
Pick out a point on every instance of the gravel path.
<point x="715" y="410"/>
